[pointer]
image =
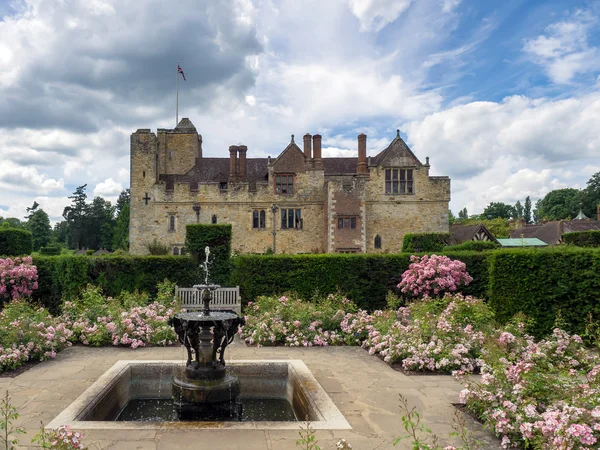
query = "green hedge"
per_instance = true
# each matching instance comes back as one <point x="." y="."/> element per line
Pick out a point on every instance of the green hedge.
<point x="583" y="238"/>
<point x="365" y="279"/>
<point x="62" y="277"/>
<point x="474" y="246"/>
<point x="424" y="242"/>
<point x="15" y="242"/>
<point x="539" y="283"/>
<point x="50" y="250"/>
<point x="218" y="239"/>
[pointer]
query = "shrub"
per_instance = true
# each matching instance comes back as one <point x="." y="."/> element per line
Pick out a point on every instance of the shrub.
<point x="475" y="246"/>
<point x="292" y="322"/>
<point x="157" y="248"/>
<point x="583" y="238"/>
<point x="62" y="277"/>
<point x="50" y="250"/>
<point x="15" y="242"/>
<point x="424" y="242"/>
<point x="538" y="395"/>
<point x="218" y="239"/>
<point x="539" y="283"/>
<point x="18" y="278"/>
<point x="433" y="275"/>
<point x="28" y="333"/>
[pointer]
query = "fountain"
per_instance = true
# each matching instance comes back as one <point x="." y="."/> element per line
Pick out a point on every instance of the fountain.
<point x="204" y="388"/>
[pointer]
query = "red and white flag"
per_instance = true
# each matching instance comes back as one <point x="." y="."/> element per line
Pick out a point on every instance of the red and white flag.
<point x="180" y="70"/>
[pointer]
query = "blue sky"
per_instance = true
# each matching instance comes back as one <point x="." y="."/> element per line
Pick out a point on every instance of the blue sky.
<point x="501" y="95"/>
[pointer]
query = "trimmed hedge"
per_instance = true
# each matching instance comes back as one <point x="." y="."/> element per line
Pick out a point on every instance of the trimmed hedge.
<point x="15" y="242"/>
<point x="50" y="250"/>
<point x="474" y="246"/>
<point x="539" y="283"/>
<point x="365" y="279"/>
<point x="62" y="277"/>
<point x="589" y="238"/>
<point x="424" y="242"/>
<point x="218" y="239"/>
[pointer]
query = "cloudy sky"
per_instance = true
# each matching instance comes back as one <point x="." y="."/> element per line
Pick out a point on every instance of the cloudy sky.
<point x="502" y="95"/>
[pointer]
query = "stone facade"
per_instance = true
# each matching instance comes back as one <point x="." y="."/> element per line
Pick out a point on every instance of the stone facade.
<point x="298" y="202"/>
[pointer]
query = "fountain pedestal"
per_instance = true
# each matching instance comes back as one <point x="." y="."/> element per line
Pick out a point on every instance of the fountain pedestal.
<point x="204" y="388"/>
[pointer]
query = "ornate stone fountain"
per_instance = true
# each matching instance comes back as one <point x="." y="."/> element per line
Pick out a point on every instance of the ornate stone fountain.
<point x="204" y="388"/>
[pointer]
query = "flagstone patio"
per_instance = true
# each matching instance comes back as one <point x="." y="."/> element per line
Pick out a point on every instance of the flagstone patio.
<point x="363" y="387"/>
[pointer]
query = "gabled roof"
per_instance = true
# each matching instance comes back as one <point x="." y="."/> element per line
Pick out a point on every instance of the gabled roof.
<point x="397" y="146"/>
<point x="291" y="147"/>
<point x="551" y="232"/>
<point x="463" y="233"/>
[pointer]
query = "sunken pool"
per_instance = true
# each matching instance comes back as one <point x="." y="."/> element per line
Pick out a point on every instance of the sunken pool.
<point x="134" y="394"/>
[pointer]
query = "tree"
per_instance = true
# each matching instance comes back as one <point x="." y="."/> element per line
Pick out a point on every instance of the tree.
<point x="99" y="224"/>
<point x="32" y="210"/>
<point x="451" y="217"/>
<point x="462" y="214"/>
<point x="591" y="196"/>
<point x="13" y="222"/>
<point x="121" y="229"/>
<point x="60" y="233"/>
<point x="527" y="210"/>
<point x="518" y="211"/>
<point x="39" y="225"/>
<point x="498" y="210"/>
<point x="75" y="216"/>
<point x="559" y="204"/>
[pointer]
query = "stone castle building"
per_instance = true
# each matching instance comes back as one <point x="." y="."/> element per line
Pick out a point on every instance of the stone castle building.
<point x="297" y="202"/>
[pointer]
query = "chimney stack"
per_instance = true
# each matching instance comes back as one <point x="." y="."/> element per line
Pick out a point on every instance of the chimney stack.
<point x="307" y="146"/>
<point x="242" y="149"/>
<point x="317" y="151"/>
<point x="232" y="162"/>
<point x="361" y="167"/>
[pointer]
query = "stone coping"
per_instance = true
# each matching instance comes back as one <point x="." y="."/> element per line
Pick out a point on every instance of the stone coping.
<point x="328" y="415"/>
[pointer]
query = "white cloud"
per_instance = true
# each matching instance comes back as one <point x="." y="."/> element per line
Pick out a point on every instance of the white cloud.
<point x="564" y="50"/>
<point x="505" y="151"/>
<point x="109" y="188"/>
<point x="450" y="5"/>
<point x="21" y="178"/>
<point x="374" y="15"/>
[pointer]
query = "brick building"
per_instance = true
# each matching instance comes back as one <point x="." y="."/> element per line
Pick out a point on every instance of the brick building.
<point x="298" y="202"/>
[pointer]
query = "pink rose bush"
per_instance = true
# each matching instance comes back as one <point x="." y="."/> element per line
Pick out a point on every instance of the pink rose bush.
<point x="18" y="277"/>
<point x="444" y="335"/>
<point x="538" y="395"/>
<point x="63" y="438"/>
<point x="292" y="322"/>
<point x="28" y="333"/>
<point x="433" y="275"/>
<point x="129" y="320"/>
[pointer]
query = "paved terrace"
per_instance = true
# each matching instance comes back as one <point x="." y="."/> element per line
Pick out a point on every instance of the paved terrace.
<point x="364" y="388"/>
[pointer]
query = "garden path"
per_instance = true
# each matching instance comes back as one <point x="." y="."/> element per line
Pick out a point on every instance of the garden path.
<point x="364" y="388"/>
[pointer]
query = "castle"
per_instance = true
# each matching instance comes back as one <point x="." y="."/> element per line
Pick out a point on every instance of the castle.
<point x="298" y="202"/>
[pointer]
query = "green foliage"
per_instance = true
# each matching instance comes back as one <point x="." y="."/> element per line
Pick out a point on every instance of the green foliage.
<point x="121" y="231"/>
<point x="365" y="279"/>
<point x="308" y="440"/>
<point x="38" y="223"/>
<point x="583" y="238"/>
<point x="50" y="250"/>
<point x="65" y="275"/>
<point x="424" y="242"/>
<point x="157" y="248"/>
<point x="558" y="204"/>
<point x="463" y="214"/>
<point x="498" y="210"/>
<point x="15" y="242"/>
<point x="518" y="211"/>
<point x="527" y="210"/>
<point x="218" y="239"/>
<point x="475" y="246"/>
<point x="8" y="415"/>
<point x="538" y="283"/>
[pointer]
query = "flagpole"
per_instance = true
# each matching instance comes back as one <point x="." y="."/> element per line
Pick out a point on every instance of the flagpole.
<point x="177" y="94"/>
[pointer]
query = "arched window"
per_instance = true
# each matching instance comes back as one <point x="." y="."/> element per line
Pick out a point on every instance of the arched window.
<point x="171" y="223"/>
<point x="377" y="241"/>
<point x="214" y="218"/>
<point x="175" y="251"/>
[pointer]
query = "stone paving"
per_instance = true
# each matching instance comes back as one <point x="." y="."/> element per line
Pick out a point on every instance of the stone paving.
<point x="363" y="387"/>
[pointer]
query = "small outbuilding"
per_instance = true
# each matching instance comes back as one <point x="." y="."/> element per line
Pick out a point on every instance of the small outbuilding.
<point x="475" y="232"/>
<point x="521" y="242"/>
